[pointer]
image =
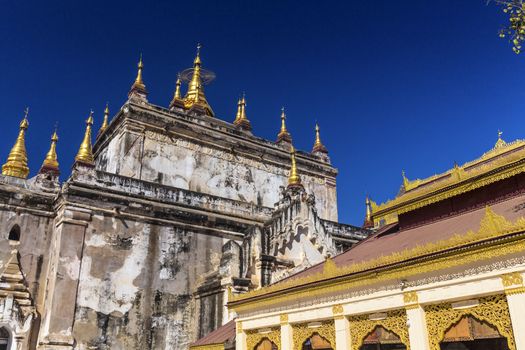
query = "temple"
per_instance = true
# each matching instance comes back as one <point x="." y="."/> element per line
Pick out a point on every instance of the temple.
<point x="442" y="270"/>
<point x="168" y="214"/>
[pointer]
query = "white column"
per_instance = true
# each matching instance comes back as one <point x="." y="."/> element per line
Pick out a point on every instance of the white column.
<point x="342" y="333"/>
<point x="516" y="302"/>
<point x="417" y="328"/>
<point x="240" y="337"/>
<point x="286" y="336"/>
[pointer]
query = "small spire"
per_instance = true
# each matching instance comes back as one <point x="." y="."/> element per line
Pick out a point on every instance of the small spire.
<point x="50" y="164"/>
<point x="405" y="180"/>
<point x="85" y="152"/>
<point x="16" y="164"/>
<point x="368" y="218"/>
<point x="283" y="135"/>
<point x="500" y="143"/>
<point x="177" y="101"/>
<point x="105" y="123"/>
<point x="294" y="180"/>
<point x="241" y="120"/>
<point x="138" y="85"/>
<point x="177" y="87"/>
<point x="318" y="145"/>
<point x="195" y="94"/>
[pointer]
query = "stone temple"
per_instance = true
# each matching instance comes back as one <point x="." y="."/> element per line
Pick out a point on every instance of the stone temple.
<point x="168" y="214"/>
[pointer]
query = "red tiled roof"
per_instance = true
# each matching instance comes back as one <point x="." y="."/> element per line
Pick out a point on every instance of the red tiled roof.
<point x="218" y="336"/>
<point x="385" y="243"/>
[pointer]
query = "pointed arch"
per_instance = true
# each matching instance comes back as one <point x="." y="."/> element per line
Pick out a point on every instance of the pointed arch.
<point x="14" y="233"/>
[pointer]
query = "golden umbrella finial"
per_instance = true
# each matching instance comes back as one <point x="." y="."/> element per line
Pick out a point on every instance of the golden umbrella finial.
<point x="139" y="85"/>
<point x="105" y="122"/>
<point x="16" y="164"/>
<point x="318" y="145"/>
<point x="283" y="135"/>
<point x="50" y="164"/>
<point x="85" y="152"/>
<point x="294" y="180"/>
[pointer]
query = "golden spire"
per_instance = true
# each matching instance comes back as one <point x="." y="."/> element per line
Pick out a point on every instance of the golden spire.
<point x="405" y="180"/>
<point x="177" y="88"/>
<point x="294" y="180"/>
<point x="16" y="164"/>
<point x="104" y="125"/>
<point x="138" y="85"/>
<point x="283" y="135"/>
<point x="195" y="94"/>
<point x="85" y="152"/>
<point x="50" y="164"/>
<point x="500" y="143"/>
<point x="368" y="218"/>
<point x="318" y="145"/>
<point x="241" y="120"/>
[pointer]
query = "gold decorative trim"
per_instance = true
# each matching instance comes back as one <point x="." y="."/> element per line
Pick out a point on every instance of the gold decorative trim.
<point x="337" y="309"/>
<point x="208" y="347"/>
<point x="492" y="309"/>
<point x="410" y="298"/>
<point x="516" y="290"/>
<point x="512" y="279"/>
<point x="283" y="319"/>
<point x="395" y="274"/>
<point x="301" y="332"/>
<point x="361" y="326"/>
<point x="238" y="327"/>
<point x="253" y="337"/>
<point x="492" y="225"/>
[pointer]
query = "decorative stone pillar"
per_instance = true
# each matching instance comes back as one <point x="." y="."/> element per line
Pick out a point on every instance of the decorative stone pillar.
<point x="515" y="291"/>
<point x="416" y="322"/>
<point x="64" y="272"/>
<point x="286" y="333"/>
<point x="240" y="337"/>
<point x="342" y="329"/>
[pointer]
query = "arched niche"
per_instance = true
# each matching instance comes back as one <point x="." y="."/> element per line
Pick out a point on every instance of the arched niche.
<point x="263" y="338"/>
<point x="5" y="338"/>
<point x="316" y="342"/>
<point x="364" y="326"/>
<point x="492" y="310"/>
<point x="321" y="333"/>
<point x="266" y="344"/>
<point x="14" y="233"/>
<point x="382" y="339"/>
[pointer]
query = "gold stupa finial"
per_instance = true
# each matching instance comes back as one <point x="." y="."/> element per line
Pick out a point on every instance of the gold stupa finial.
<point x="16" y="164"/>
<point x="283" y="135"/>
<point x="85" y="152"/>
<point x="500" y="143"/>
<point x="405" y="180"/>
<point x="294" y="180"/>
<point x="195" y="94"/>
<point x="50" y="164"/>
<point x="105" y="123"/>
<point x="318" y="145"/>
<point x="177" y="87"/>
<point x="138" y="84"/>
<point x="368" y="218"/>
<point x="241" y="120"/>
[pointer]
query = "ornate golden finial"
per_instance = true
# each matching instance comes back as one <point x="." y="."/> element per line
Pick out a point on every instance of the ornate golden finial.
<point x="50" y="164"/>
<point x="405" y="180"/>
<point x="195" y="94"/>
<point x="16" y="164"/>
<point x="138" y="85"/>
<point x="177" y="101"/>
<point x="500" y="143"/>
<point x="104" y="125"/>
<point x="318" y="145"/>
<point x="177" y="88"/>
<point x="85" y="152"/>
<point x="283" y="135"/>
<point x="294" y="180"/>
<point x="368" y="218"/>
<point x="241" y="120"/>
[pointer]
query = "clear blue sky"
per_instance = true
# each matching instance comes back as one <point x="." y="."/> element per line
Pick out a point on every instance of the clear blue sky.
<point x="412" y="85"/>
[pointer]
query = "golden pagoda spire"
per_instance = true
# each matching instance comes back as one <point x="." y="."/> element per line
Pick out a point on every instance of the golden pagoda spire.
<point x="405" y="180"/>
<point x="283" y="135"/>
<point x="105" y="123"/>
<point x="85" y="152"/>
<point x="16" y="164"/>
<point x="318" y="145"/>
<point x="241" y="120"/>
<point x="368" y="218"/>
<point x="177" y="88"/>
<point x="50" y="164"/>
<point x="195" y="94"/>
<point x="138" y="84"/>
<point x="294" y="180"/>
<point x="500" y="143"/>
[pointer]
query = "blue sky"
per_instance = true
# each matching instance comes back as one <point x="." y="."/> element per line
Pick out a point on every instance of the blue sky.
<point x="411" y="84"/>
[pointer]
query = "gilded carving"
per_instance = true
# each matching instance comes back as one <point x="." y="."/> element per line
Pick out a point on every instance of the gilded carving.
<point x="395" y="321"/>
<point x="284" y="319"/>
<point x="239" y="327"/>
<point x="410" y="298"/>
<point x="512" y="280"/>
<point x="337" y="309"/>
<point x="254" y="337"/>
<point x="301" y="332"/>
<point x="491" y="309"/>
<point x="491" y="226"/>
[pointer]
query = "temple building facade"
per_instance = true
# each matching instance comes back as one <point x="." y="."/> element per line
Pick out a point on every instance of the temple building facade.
<point x="443" y="270"/>
<point x="168" y="214"/>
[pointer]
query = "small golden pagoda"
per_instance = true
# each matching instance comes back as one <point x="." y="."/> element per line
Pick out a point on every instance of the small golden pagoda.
<point x="50" y="164"/>
<point x="138" y="87"/>
<point x="241" y="121"/>
<point x="85" y="152"/>
<point x="283" y="135"/>
<point x="294" y="180"/>
<point x="318" y="145"/>
<point x="195" y="97"/>
<point x="16" y="164"/>
<point x="105" y="122"/>
<point x="177" y="99"/>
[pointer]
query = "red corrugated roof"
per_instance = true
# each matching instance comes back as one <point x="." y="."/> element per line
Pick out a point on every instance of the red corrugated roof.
<point x="218" y="336"/>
